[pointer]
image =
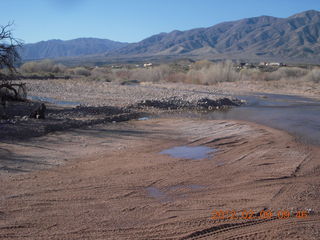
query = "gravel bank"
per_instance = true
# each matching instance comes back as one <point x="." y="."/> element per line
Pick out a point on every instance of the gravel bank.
<point x="95" y="93"/>
<point x="18" y="124"/>
<point x="79" y="103"/>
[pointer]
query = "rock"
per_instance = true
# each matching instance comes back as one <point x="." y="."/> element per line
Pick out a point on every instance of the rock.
<point x="206" y="102"/>
<point x="130" y="82"/>
<point x="39" y="112"/>
<point x="174" y="103"/>
<point x="24" y="118"/>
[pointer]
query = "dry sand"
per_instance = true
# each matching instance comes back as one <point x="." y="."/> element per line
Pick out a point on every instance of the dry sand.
<point x="110" y="182"/>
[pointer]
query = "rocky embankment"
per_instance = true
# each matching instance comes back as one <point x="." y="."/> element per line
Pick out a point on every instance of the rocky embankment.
<point x="19" y="120"/>
<point x="176" y="103"/>
<point x="108" y="102"/>
<point x="19" y="123"/>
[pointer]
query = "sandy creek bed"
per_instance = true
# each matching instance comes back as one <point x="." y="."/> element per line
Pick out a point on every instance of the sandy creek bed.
<point x="113" y="183"/>
<point x="166" y="176"/>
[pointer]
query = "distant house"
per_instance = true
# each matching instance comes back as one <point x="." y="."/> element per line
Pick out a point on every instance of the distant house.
<point x="249" y="65"/>
<point x="116" y="66"/>
<point x="275" y="64"/>
<point x="263" y="64"/>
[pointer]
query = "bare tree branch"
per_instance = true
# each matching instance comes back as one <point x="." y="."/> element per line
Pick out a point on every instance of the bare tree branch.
<point x="9" y="54"/>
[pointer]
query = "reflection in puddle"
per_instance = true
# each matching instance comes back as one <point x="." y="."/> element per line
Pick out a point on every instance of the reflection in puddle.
<point x="143" y="118"/>
<point x="156" y="193"/>
<point x="54" y="101"/>
<point x="189" y="152"/>
<point x="297" y="115"/>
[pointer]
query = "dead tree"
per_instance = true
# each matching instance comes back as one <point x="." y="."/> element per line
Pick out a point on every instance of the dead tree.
<point x="9" y="55"/>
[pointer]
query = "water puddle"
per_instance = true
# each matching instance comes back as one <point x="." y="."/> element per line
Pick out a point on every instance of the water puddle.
<point x="157" y="194"/>
<point x="143" y="118"/>
<point x="189" y="152"/>
<point x="177" y="191"/>
<point x="54" y="101"/>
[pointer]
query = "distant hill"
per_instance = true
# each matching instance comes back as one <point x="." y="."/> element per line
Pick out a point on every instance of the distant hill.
<point x="69" y="48"/>
<point x="296" y="38"/>
<point x="262" y="37"/>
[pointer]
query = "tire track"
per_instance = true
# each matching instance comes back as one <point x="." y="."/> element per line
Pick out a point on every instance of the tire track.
<point x="224" y="228"/>
<point x="230" y="227"/>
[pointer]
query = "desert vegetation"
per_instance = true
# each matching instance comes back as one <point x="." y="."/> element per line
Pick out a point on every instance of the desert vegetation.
<point x="201" y="72"/>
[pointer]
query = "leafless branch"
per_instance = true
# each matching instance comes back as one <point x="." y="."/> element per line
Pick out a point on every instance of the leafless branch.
<point x="9" y="45"/>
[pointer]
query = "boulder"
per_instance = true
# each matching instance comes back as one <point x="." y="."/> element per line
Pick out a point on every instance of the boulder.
<point x="39" y="112"/>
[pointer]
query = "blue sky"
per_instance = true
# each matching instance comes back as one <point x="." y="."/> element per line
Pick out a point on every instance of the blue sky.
<point x="132" y="20"/>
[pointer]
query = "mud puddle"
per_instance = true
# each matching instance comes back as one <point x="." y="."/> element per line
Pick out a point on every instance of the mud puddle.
<point x="173" y="192"/>
<point x="158" y="194"/>
<point x="189" y="152"/>
<point x="143" y="118"/>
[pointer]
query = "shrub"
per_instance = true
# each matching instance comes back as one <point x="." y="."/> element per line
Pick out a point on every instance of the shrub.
<point x="101" y="74"/>
<point x="177" y="77"/>
<point x="252" y="74"/>
<point x="292" y="71"/>
<point x="313" y="75"/>
<point x="285" y="72"/>
<point x="213" y="73"/>
<point x="155" y="74"/>
<point x="122" y="74"/>
<point x="201" y="64"/>
<point x="44" y="66"/>
<point x="81" y="71"/>
<point x="59" y="68"/>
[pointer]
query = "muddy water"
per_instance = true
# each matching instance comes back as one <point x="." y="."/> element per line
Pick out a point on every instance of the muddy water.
<point x="158" y="194"/>
<point x="298" y="116"/>
<point x="189" y="152"/>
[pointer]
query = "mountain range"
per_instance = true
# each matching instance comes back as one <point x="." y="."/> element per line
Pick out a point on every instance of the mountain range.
<point x="259" y="38"/>
<point x="71" y="48"/>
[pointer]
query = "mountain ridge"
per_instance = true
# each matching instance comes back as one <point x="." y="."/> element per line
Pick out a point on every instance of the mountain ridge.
<point x="56" y="48"/>
<point x="259" y="38"/>
<point x="295" y="36"/>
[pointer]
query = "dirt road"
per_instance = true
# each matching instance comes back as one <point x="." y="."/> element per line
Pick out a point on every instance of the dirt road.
<point x="111" y="182"/>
